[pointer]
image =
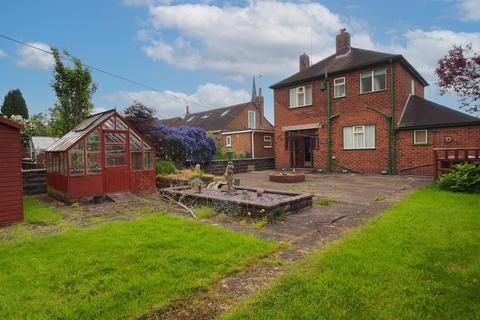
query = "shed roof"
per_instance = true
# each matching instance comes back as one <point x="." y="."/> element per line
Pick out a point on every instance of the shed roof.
<point x="10" y="123"/>
<point x="356" y="58"/>
<point x="80" y="131"/>
<point x="42" y="143"/>
<point x="422" y="113"/>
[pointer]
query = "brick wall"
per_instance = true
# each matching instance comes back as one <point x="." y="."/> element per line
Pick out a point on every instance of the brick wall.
<point x="217" y="167"/>
<point x="34" y="181"/>
<point x="351" y="110"/>
<point x="260" y="150"/>
<point x="243" y="142"/>
<point x="410" y="155"/>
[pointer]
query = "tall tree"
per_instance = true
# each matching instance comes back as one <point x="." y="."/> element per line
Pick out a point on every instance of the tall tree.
<point x="459" y="73"/>
<point x="14" y="104"/>
<point x="74" y="88"/>
<point x="143" y="119"/>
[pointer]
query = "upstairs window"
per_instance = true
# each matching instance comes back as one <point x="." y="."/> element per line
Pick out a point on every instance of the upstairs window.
<point x="251" y="119"/>
<point x="412" y="87"/>
<point x="359" y="137"/>
<point x="420" y="137"/>
<point x="300" y="96"/>
<point x="372" y="81"/>
<point x="339" y="87"/>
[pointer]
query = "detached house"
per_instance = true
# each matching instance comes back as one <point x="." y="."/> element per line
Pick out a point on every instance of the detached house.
<point x="363" y="111"/>
<point x="242" y="127"/>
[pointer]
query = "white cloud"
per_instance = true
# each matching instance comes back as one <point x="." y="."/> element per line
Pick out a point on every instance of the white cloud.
<point x="470" y="10"/>
<point x="265" y="37"/>
<point x="35" y="59"/>
<point x="3" y="54"/>
<point x="166" y="105"/>
<point x="423" y="49"/>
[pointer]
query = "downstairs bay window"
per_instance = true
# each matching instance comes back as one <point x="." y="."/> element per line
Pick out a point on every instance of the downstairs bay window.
<point x="359" y="137"/>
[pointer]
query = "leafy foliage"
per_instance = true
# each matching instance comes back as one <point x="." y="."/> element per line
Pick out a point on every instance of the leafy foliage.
<point x="459" y="73"/>
<point x="74" y="88"/>
<point x="35" y="126"/>
<point x="14" y="104"/>
<point x="142" y="119"/>
<point x="165" y="167"/>
<point x="184" y="144"/>
<point x="463" y="178"/>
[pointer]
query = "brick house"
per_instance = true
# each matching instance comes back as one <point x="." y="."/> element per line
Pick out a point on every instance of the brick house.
<point x="242" y="127"/>
<point x="363" y="111"/>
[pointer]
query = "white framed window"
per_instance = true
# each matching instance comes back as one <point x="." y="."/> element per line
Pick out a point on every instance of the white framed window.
<point x="300" y="96"/>
<point x="420" y="137"/>
<point x="412" y="87"/>
<point x="267" y="142"/>
<point x="251" y="119"/>
<point x="339" y="87"/>
<point x="375" y="80"/>
<point x="359" y="137"/>
<point x="228" y="141"/>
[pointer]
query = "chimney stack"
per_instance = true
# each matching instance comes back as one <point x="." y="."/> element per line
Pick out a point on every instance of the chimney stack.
<point x="343" y="42"/>
<point x="187" y="112"/>
<point x="304" y="61"/>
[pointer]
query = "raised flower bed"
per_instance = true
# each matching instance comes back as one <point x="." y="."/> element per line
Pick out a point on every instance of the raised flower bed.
<point x="245" y="200"/>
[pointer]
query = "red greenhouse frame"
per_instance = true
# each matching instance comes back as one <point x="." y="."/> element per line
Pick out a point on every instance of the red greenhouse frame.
<point x="103" y="154"/>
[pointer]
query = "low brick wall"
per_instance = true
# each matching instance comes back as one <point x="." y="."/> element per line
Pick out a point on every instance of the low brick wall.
<point x="34" y="181"/>
<point x="217" y="167"/>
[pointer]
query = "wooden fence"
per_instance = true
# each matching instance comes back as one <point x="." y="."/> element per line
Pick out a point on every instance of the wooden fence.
<point x="444" y="158"/>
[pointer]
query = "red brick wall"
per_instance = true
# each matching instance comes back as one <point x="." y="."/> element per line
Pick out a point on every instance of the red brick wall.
<point x="410" y="155"/>
<point x="260" y="150"/>
<point x="351" y="110"/>
<point x="241" y="120"/>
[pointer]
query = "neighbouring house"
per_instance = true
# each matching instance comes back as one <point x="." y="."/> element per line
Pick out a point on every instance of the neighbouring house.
<point x="363" y="111"/>
<point x="11" y="185"/>
<point x="103" y="154"/>
<point x="37" y="147"/>
<point x="242" y="127"/>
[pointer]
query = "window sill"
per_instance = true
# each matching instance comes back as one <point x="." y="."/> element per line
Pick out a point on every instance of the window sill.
<point x="264" y="147"/>
<point x="420" y="144"/>
<point x="359" y="149"/>
<point x="340" y="97"/>
<point x="374" y="91"/>
<point x="308" y="105"/>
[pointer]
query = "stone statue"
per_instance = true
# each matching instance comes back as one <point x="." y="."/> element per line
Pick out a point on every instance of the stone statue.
<point x="229" y="178"/>
<point x="197" y="168"/>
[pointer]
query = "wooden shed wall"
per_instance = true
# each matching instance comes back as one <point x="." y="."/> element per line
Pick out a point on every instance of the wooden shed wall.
<point x="11" y="201"/>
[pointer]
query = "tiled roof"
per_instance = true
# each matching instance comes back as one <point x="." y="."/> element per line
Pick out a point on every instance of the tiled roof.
<point x="80" y="131"/>
<point x="355" y="59"/>
<point x="422" y="113"/>
<point x="214" y="119"/>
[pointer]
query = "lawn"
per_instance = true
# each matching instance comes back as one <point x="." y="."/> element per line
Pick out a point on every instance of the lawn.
<point x="418" y="260"/>
<point x="37" y="212"/>
<point x="118" y="270"/>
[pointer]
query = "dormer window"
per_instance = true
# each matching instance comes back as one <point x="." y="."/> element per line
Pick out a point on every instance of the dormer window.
<point x="205" y="116"/>
<point x="300" y="96"/>
<point x="190" y="119"/>
<point x="372" y="81"/>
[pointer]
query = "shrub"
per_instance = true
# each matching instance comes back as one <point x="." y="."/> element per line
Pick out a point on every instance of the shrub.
<point x="204" y="212"/>
<point x="462" y="178"/>
<point x="164" y="167"/>
<point x="322" y="202"/>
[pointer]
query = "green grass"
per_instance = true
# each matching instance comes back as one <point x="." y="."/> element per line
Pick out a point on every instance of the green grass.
<point x="322" y="202"/>
<point x="204" y="212"/>
<point x="419" y="260"/>
<point x="36" y="212"/>
<point x="118" y="270"/>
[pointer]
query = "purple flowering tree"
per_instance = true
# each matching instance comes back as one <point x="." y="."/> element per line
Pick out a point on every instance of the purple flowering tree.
<point x="186" y="144"/>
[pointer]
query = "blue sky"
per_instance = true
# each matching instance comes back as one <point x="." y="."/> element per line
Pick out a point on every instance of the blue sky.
<point x="208" y="51"/>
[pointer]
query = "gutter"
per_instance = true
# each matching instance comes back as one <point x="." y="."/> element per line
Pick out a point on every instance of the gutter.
<point x="329" y="126"/>
<point x="393" y="138"/>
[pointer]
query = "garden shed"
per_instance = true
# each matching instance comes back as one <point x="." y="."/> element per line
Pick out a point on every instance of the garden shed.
<point x="11" y="190"/>
<point x="103" y="154"/>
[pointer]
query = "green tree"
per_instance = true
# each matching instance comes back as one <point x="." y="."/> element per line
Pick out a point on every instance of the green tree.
<point x="39" y="122"/>
<point x="74" y="89"/>
<point x="14" y="104"/>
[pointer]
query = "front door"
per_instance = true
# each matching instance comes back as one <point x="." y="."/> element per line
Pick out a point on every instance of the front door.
<point x="116" y="161"/>
<point x="301" y="152"/>
<point x="307" y="151"/>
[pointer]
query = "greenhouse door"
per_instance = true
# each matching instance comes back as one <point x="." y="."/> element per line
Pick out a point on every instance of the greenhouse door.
<point x="116" y="162"/>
